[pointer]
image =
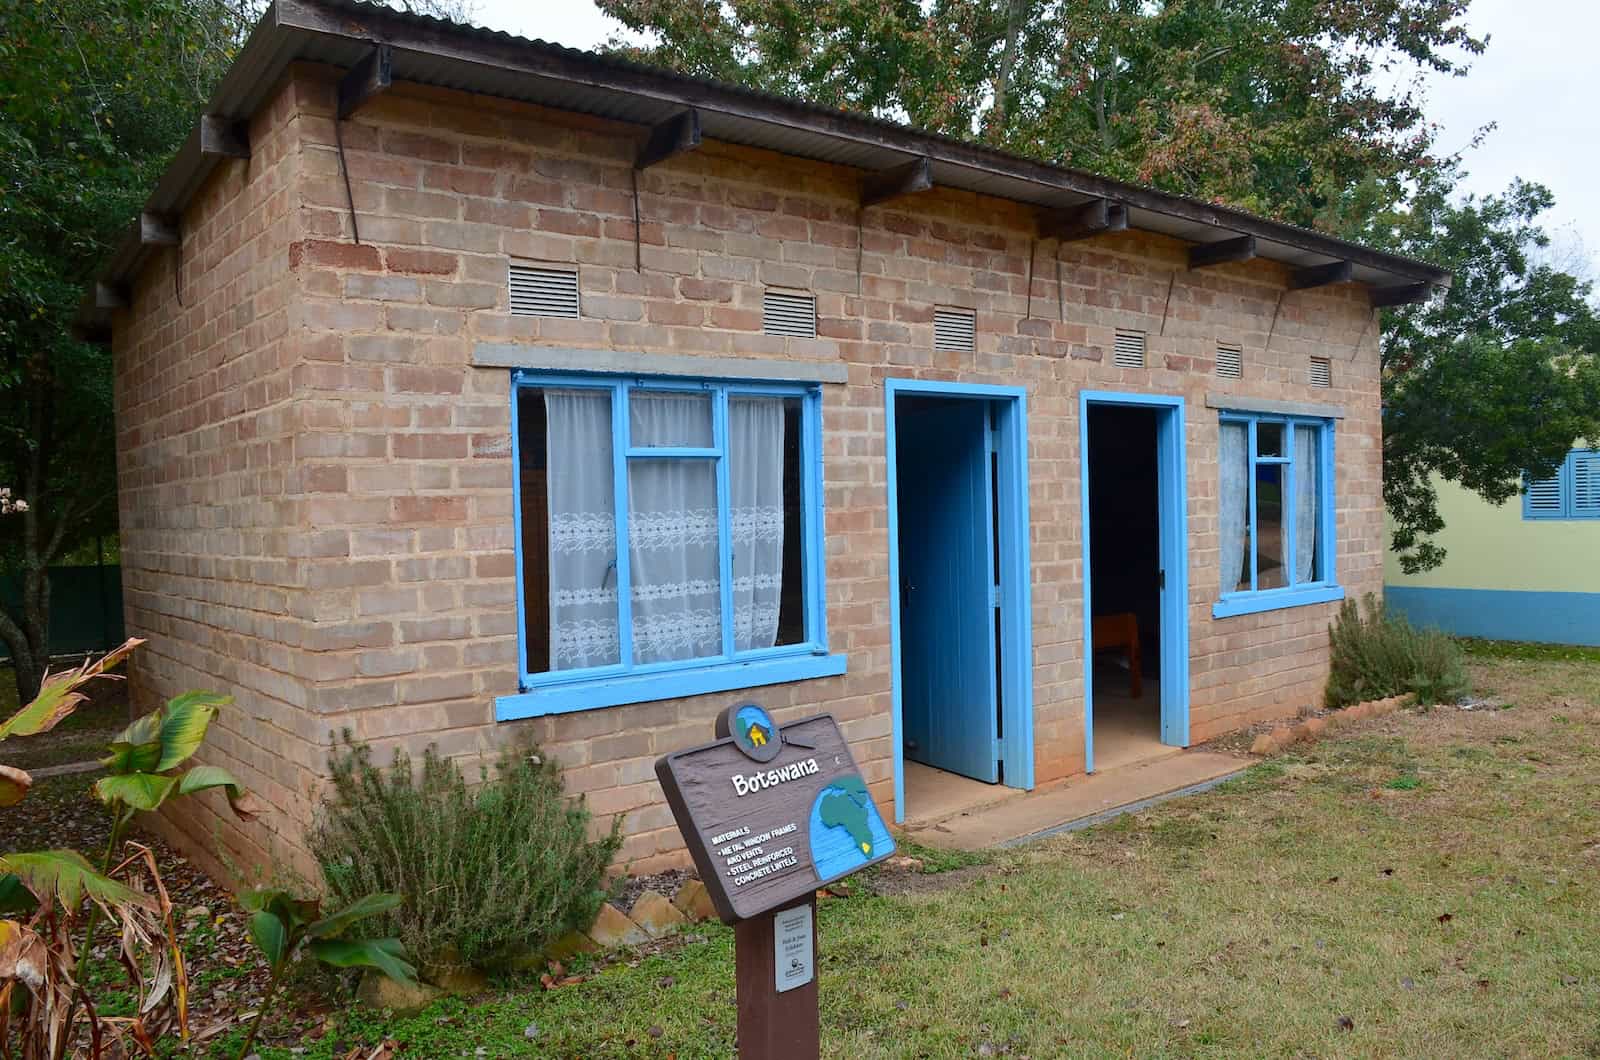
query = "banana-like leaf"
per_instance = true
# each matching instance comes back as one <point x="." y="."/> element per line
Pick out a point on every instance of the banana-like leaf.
<point x="14" y="784"/>
<point x="142" y="791"/>
<point x="133" y="757"/>
<point x="138" y="748"/>
<point x="295" y="912"/>
<point x="386" y="955"/>
<point x="59" y="696"/>
<point x="23" y="954"/>
<point x="184" y="724"/>
<point x="203" y="778"/>
<point x="67" y="877"/>
<point x="360" y="909"/>
<point x="14" y="897"/>
<point x="271" y="936"/>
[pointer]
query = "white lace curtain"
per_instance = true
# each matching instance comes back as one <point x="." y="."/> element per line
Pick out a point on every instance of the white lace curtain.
<point x="1305" y="504"/>
<point x="755" y="485"/>
<point x="673" y="528"/>
<point x="583" y="530"/>
<point x="1233" y="461"/>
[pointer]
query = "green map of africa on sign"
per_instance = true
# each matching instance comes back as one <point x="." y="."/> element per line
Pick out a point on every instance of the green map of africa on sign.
<point x="846" y="830"/>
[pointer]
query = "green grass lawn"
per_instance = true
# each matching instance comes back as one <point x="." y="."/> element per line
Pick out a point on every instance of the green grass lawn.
<point x="1426" y="885"/>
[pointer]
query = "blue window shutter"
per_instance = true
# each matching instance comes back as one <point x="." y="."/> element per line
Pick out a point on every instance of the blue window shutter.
<point x="1585" y="502"/>
<point x="1541" y="498"/>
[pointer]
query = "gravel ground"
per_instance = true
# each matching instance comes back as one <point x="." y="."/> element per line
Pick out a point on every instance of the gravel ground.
<point x="666" y="883"/>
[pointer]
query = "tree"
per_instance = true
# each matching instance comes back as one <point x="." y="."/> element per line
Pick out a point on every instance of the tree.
<point x="1288" y="109"/>
<point x="95" y="95"/>
<point x="1495" y="381"/>
<point x="1276" y="107"/>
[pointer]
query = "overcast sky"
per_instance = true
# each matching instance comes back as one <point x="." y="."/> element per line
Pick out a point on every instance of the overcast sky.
<point x="1533" y="83"/>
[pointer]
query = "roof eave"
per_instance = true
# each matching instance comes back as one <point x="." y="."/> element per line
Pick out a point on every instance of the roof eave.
<point x="431" y="51"/>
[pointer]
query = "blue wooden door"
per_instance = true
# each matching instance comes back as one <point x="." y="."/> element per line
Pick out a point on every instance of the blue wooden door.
<point x="947" y="586"/>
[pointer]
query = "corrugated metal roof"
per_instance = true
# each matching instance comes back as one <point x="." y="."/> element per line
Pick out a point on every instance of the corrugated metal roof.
<point x="436" y="52"/>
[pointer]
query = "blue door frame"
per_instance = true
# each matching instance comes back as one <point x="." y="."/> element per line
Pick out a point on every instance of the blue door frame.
<point x="1174" y="527"/>
<point x="1016" y="606"/>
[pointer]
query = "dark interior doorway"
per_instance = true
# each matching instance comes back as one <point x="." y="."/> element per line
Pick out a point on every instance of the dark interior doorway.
<point x="1125" y="577"/>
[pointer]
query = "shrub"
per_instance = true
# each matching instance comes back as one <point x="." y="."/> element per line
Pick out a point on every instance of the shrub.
<point x="1377" y="654"/>
<point x="488" y="873"/>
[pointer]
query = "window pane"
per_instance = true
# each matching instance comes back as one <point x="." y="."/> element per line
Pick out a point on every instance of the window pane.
<point x="571" y="580"/>
<point x="792" y="612"/>
<point x="673" y="538"/>
<point x="756" y="490"/>
<point x="1234" y="508"/>
<point x="1269" y="439"/>
<point x="1270" y="529"/>
<point x="669" y="419"/>
<point x="1307" y="503"/>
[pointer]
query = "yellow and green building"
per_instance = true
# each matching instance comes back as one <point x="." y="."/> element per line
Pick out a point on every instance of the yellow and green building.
<point x="1525" y="570"/>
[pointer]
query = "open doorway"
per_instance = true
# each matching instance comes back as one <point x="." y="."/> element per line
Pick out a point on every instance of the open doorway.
<point x="1136" y="656"/>
<point x="1125" y="583"/>
<point x="963" y="694"/>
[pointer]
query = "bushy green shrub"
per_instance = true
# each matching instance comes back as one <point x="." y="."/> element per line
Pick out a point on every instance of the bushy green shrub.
<point x="1377" y="654"/>
<point x="488" y="873"/>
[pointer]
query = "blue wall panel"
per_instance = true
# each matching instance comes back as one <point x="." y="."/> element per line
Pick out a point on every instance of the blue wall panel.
<point x="1502" y="614"/>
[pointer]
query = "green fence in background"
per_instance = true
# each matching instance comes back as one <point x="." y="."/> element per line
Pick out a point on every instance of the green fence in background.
<point x="85" y="608"/>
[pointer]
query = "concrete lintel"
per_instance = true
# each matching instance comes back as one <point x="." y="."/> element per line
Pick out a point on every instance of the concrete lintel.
<point x="641" y="362"/>
<point x="1240" y="403"/>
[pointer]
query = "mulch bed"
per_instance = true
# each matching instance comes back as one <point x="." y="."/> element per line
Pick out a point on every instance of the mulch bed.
<point x="226" y="976"/>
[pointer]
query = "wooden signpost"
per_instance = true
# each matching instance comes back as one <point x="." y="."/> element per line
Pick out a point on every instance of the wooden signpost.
<point x="770" y="815"/>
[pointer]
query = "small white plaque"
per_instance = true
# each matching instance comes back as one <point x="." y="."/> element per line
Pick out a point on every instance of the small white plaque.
<point x="792" y="953"/>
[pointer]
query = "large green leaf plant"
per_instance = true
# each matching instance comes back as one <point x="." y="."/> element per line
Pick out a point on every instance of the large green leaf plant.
<point x="143" y="766"/>
<point x="281" y="924"/>
<point x="44" y="1007"/>
<point x="48" y="897"/>
<point x="143" y="774"/>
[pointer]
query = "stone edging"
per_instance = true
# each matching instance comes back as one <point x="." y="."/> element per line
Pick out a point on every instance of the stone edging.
<point x="1309" y="729"/>
<point x="653" y="915"/>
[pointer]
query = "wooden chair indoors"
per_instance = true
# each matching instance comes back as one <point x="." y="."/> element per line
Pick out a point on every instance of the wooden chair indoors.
<point x="1120" y="632"/>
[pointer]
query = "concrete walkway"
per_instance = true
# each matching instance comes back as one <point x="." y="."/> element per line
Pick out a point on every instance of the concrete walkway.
<point x="1080" y="801"/>
<point x="46" y="772"/>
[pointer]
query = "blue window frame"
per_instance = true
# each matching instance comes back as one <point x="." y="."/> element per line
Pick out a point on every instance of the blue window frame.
<point x="1573" y="492"/>
<point x="629" y="661"/>
<point x="1276" y="513"/>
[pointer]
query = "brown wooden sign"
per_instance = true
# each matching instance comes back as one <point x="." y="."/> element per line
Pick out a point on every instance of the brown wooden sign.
<point x="769" y="815"/>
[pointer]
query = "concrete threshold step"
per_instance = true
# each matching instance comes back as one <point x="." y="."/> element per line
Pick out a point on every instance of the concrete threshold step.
<point x="1082" y="802"/>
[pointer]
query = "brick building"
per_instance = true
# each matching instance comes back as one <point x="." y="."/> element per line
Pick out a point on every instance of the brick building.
<point x="423" y="435"/>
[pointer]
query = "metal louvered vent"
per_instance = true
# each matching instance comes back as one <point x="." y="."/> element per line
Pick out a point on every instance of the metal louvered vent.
<point x="1230" y="361"/>
<point x="541" y="292"/>
<point x="1321" y="371"/>
<point x="1129" y="350"/>
<point x="955" y="329"/>
<point x="788" y="313"/>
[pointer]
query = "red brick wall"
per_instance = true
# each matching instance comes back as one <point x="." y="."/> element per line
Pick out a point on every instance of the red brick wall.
<point x="390" y="552"/>
<point x="205" y="375"/>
